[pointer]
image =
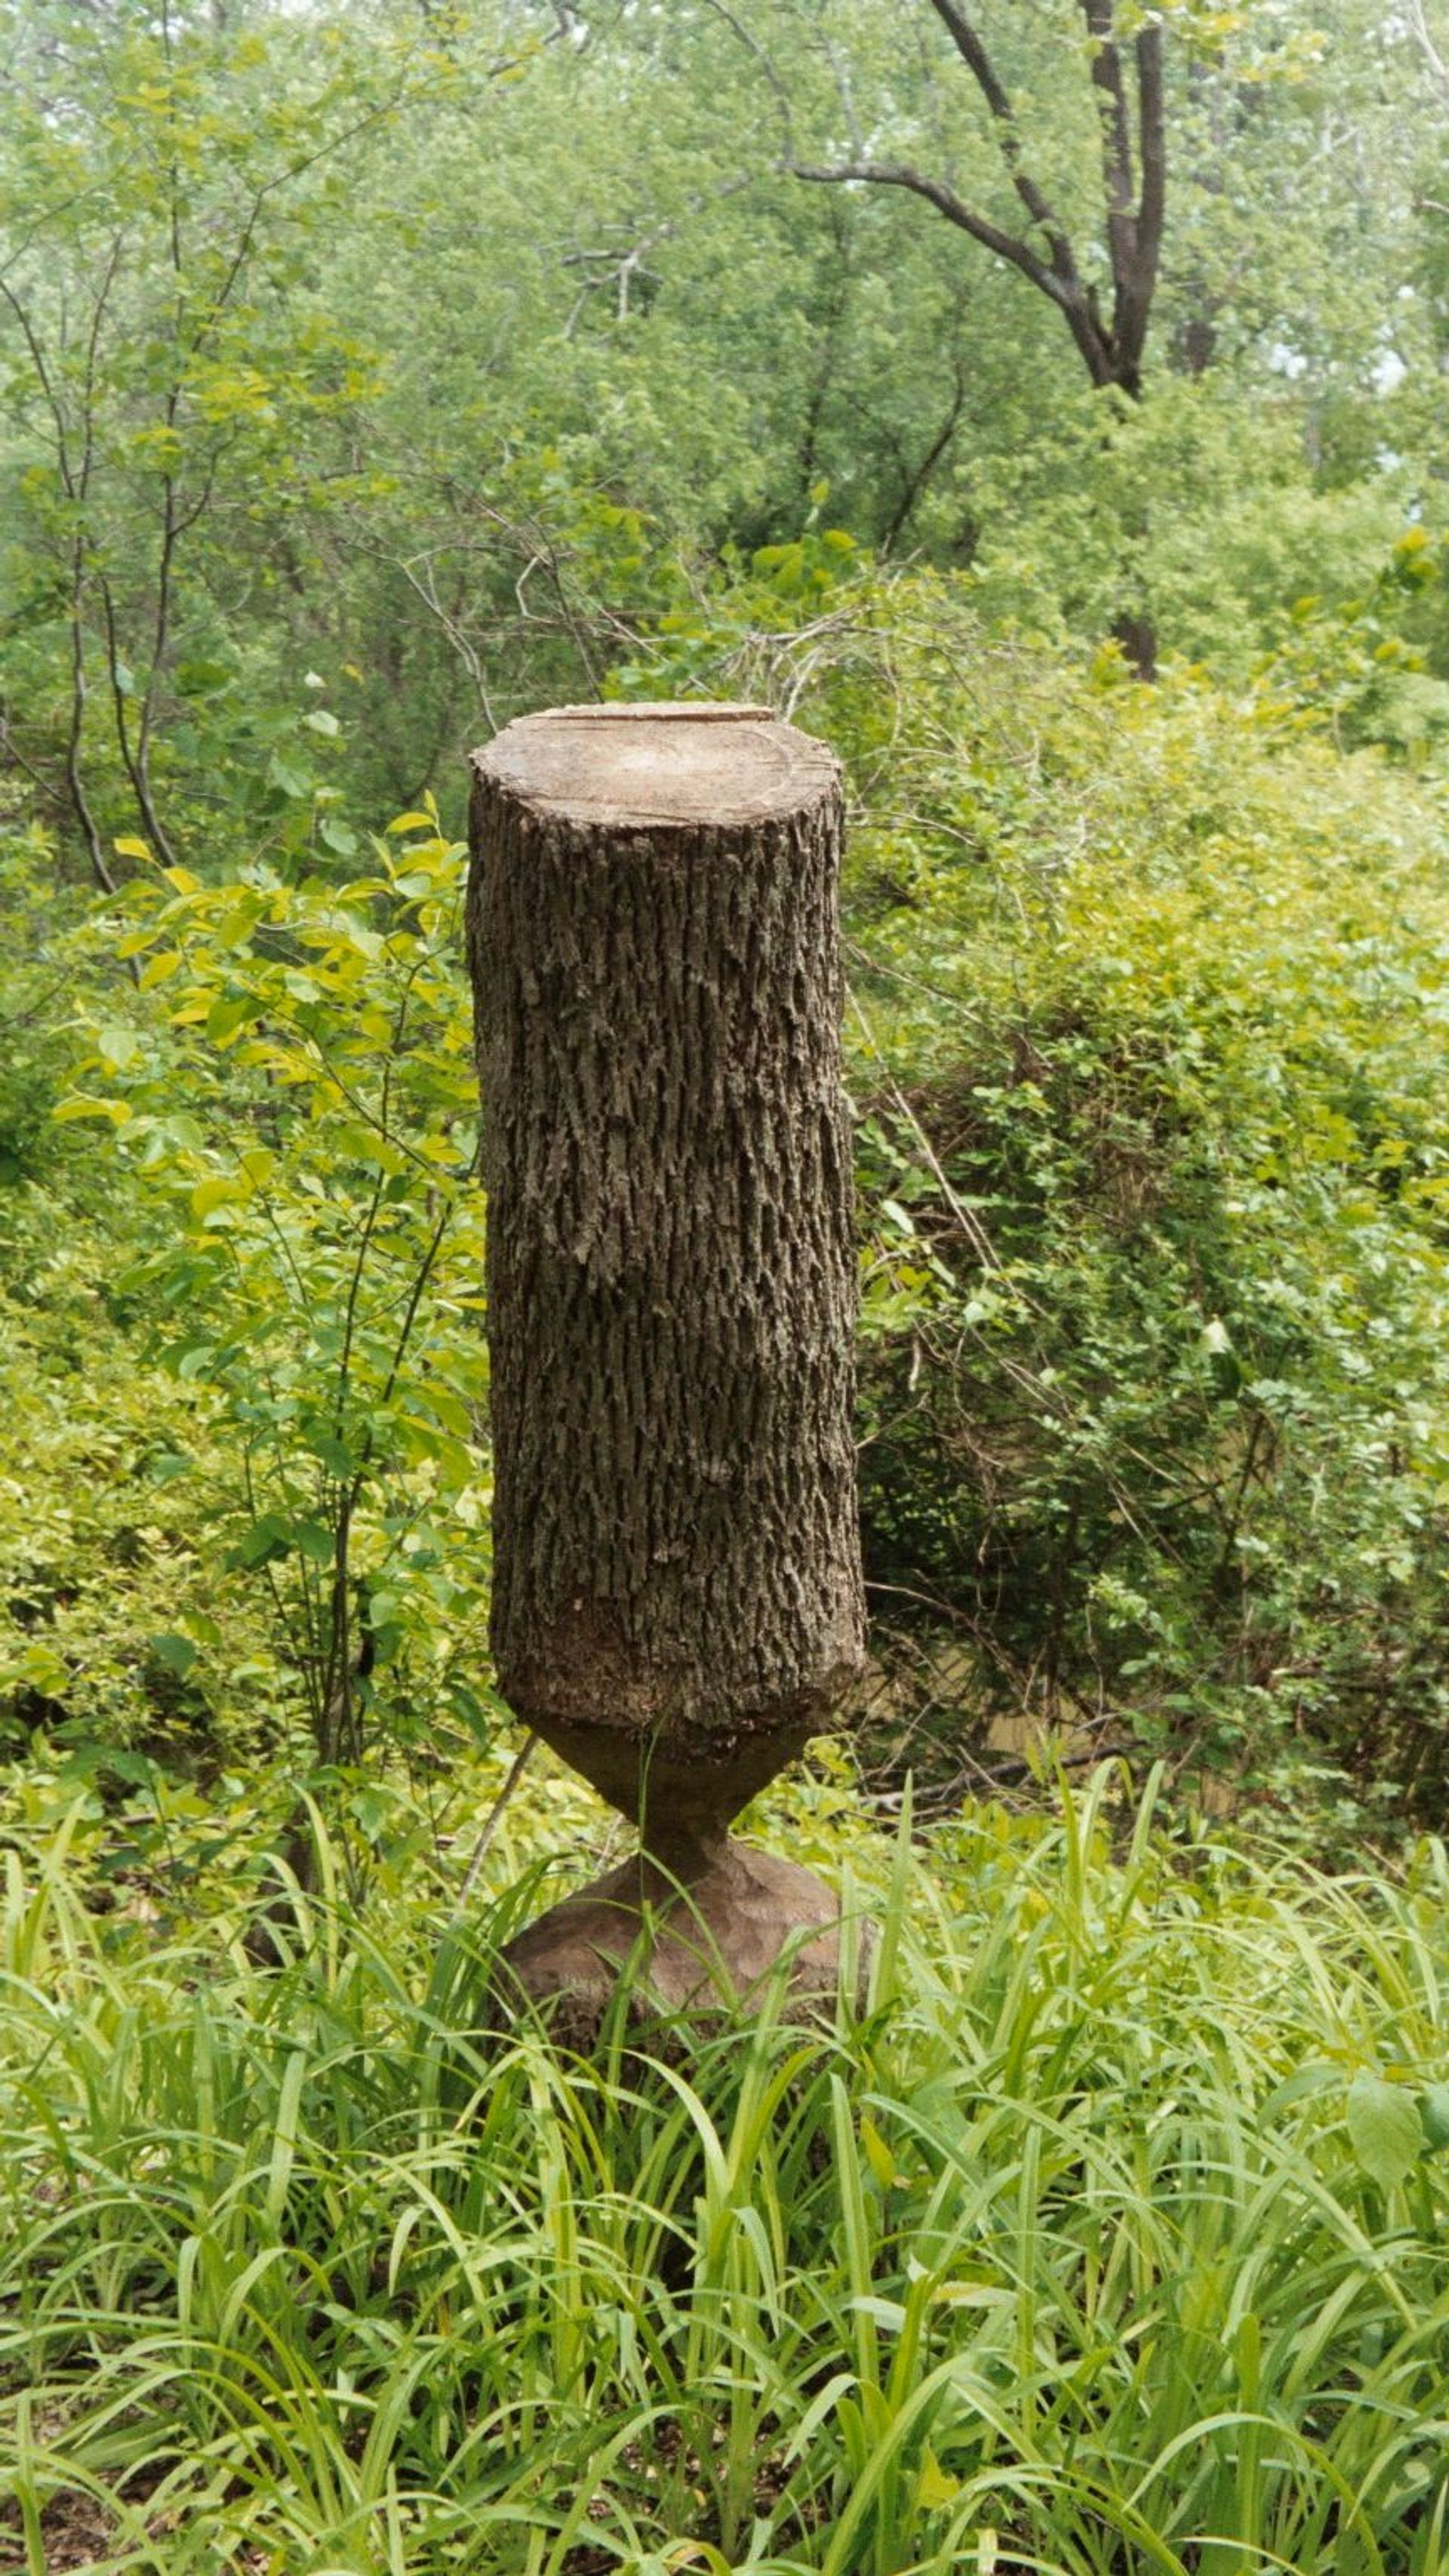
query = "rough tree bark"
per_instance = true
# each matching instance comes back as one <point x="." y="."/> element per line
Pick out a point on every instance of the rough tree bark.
<point x="672" y="1285"/>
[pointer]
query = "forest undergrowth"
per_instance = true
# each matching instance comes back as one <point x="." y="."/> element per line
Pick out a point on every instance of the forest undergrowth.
<point x="1148" y="992"/>
<point x="1103" y="2233"/>
<point x="369" y="375"/>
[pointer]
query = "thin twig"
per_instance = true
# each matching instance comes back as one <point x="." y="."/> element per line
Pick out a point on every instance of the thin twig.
<point x="491" y="1823"/>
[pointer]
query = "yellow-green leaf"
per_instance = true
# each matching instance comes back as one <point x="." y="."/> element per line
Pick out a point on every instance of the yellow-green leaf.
<point x="82" y="1104"/>
<point x="877" y="2154"/>
<point x="937" y="2486"/>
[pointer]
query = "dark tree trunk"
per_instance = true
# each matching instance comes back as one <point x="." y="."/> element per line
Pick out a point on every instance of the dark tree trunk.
<point x="1131" y="110"/>
<point x="1132" y="116"/>
<point x="1137" y="637"/>
<point x="672" y="1283"/>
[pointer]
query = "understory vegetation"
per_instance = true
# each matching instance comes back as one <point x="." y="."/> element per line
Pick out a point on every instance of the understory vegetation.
<point x="1107" y="2235"/>
<point x="1153" y="1169"/>
<point x="1046" y="408"/>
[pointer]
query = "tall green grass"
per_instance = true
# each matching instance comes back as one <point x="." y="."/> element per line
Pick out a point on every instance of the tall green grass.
<point x="1109" y="2236"/>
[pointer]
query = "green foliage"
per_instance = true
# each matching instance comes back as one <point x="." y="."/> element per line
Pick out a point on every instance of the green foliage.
<point x="366" y="376"/>
<point x="292" y="1099"/>
<point x="312" y="373"/>
<point x="1154" y="1150"/>
<point x="1106" y="2239"/>
<point x="115" y="1638"/>
<point x="108" y="1471"/>
<point x="1152" y="1155"/>
<point x="1362" y="666"/>
<point x="241" y="1497"/>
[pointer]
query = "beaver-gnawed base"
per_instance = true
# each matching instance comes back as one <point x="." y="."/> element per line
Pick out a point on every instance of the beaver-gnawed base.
<point x="701" y="1937"/>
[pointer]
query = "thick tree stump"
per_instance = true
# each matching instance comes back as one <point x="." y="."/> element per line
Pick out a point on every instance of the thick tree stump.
<point x="677" y="1603"/>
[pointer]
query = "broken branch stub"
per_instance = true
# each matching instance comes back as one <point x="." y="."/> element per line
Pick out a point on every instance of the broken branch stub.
<point x="653" y="942"/>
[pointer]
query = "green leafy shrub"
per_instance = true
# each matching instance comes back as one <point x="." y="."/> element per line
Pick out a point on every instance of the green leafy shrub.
<point x="1153" y="1165"/>
<point x="1155" y="1157"/>
<point x="294" y="1098"/>
<point x="242" y="1481"/>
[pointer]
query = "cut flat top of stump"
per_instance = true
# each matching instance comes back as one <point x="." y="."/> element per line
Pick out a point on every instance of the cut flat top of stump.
<point x="670" y="763"/>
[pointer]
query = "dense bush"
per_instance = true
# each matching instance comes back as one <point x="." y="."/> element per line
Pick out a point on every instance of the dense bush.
<point x="244" y="1505"/>
<point x="1153" y="1137"/>
<point x="1153" y="1162"/>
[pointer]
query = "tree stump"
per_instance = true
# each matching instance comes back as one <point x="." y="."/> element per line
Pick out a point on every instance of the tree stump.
<point x="677" y="1598"/>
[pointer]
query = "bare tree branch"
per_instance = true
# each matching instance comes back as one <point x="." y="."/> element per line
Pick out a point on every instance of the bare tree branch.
<point x="1066" y="291"/>
<point x="1112" y="353"/>
<point x="1117" y="179"/>
<point x="973" y="53"/>
<point x="919" y="477"/>
<point x="1152" y="205"/>
<point x="900" y="174"/>
<point x="1428" y="47"/>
